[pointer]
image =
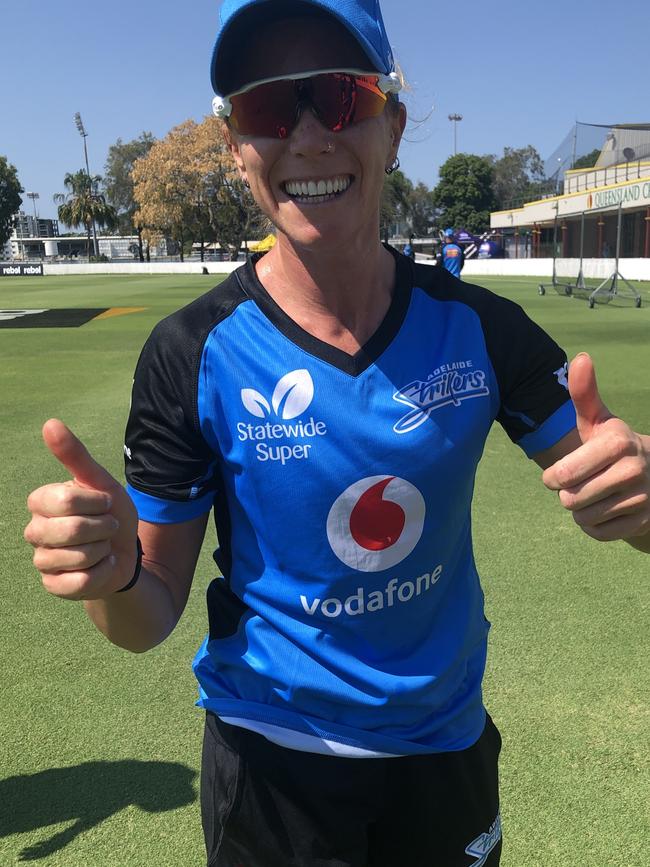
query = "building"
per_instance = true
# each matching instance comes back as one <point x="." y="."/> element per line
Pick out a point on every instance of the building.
<point x="597" y="207"/>
<point x="26" y="226"/>
<point x="29" y="236"/>
<point x="75" y="247"/>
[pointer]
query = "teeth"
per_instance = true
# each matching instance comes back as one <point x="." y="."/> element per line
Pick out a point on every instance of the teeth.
<point x="308" y="189"/>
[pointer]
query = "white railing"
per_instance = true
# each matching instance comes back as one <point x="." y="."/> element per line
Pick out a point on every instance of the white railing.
<point x="592" y="178"/>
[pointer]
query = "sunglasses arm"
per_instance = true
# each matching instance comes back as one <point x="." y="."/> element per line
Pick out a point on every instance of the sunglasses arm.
<point x="221" y="107"/>
<point x="390" y="83"/>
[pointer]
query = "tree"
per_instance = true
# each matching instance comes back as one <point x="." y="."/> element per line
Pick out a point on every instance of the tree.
<point x="518" y="176"/>
<point x="233" y="214"/>
<point x="588" y="161"/>
<point x="118" y="182"/>
<point x="10" y="199"/>
<point x="464" y="194"/>
<point x="405" y="208"/>
<point x="188" y="187"/>
<point x="423" y="210"/>
<point x="395" y="206"/>
<point x="164" y="186"/>
<point x="82" y="204"/>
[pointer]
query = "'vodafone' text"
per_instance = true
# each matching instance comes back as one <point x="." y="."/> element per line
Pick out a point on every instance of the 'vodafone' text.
<point x="367" y="603"/>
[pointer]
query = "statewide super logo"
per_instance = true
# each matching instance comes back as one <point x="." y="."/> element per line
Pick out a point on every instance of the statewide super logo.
<point x="275" y="440"/>
<point x="376" y="522"/>
<point x="291" y="396"/>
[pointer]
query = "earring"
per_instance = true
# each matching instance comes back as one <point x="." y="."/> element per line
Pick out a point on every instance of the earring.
<point x="329" y="148"/>
<point x="245" y="183"/>
<point x="393" y="167"/>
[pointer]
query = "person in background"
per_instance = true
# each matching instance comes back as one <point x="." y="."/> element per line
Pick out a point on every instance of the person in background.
<point x="451" y="255"/>
<point x="408" y="249"/>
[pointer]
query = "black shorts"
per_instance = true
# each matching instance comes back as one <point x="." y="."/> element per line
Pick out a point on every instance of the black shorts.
<point x="267" y="806"/>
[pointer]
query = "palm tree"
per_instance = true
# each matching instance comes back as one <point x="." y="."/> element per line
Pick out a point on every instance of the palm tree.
<point x="82" y="204"/>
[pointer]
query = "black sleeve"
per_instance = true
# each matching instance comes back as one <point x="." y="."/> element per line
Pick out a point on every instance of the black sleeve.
<point x="172" y="471"/>
<point x="531" y="371"/>
<point x="166" y="455"/>
<point x="535" y="407"/>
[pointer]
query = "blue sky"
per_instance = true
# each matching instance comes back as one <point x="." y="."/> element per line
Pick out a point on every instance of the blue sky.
<point x="518" y="73"/>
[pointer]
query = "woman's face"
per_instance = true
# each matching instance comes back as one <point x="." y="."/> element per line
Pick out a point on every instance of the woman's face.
<point x="353" y="160"/>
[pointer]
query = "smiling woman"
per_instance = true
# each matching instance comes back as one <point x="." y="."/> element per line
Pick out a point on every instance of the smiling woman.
<point x="311" y="135"/>
<point x="329" y="403"/>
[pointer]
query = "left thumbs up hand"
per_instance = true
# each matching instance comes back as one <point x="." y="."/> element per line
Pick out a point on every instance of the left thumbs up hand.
<point x="605" y="482"/>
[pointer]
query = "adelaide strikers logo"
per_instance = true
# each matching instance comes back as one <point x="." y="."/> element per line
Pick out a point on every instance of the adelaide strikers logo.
<point x="376" y="522"/>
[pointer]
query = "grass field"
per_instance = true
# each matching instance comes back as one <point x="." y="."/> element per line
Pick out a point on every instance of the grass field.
<point x="99" y="749"/>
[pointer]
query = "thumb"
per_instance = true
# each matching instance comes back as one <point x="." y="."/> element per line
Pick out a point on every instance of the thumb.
<point x="583" y="388"/>
<point x="76" y="458"/>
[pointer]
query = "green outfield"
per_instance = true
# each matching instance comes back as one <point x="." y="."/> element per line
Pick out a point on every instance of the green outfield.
<point x="100" y="749"/>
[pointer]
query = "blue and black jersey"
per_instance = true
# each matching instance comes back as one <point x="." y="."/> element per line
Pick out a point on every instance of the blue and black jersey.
<point x="349" y="611"/>
<point x="452" y="258"/>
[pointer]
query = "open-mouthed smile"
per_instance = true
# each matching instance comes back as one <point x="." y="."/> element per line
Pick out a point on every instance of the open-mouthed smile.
<point x="317" y="189"/>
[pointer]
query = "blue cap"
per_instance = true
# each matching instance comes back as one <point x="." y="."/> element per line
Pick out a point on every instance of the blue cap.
<point x="448" y="233"/>
<point x="361" y="17"/>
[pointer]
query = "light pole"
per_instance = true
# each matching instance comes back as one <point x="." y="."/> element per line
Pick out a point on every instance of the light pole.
<point x="33" y="197"/>
<point x="454" y="118"/>
<point x="82" y="132"/>
<point x="21" y="239"/>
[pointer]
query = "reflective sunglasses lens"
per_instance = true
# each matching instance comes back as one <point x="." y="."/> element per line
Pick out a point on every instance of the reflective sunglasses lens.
<point x="341" y="99"/>
<point x="266" y="110"/>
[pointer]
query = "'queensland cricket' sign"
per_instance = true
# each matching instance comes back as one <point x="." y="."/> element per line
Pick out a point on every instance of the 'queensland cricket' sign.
<point x="626" y="196"/>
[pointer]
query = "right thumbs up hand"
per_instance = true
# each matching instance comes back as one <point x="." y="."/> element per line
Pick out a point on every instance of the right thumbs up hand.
<point x="83" y="531"/>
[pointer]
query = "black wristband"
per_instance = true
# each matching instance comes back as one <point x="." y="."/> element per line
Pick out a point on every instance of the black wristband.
<point x="138" y="569"/>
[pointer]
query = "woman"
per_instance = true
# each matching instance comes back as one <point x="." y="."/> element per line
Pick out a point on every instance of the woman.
<point x="330" y="401"/>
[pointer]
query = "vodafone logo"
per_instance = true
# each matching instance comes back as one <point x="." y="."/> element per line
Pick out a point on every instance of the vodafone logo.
<point x="376" y="522"/>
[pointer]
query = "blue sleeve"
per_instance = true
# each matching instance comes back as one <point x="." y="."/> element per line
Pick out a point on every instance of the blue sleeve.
<point x="550" y="431"/>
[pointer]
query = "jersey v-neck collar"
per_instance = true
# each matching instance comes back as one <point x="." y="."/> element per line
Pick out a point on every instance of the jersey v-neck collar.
<point x="369" y="352"/>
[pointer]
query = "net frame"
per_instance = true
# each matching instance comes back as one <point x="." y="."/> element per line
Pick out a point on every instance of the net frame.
<point x="613" y="286"/>
<point x="621" y="144"/>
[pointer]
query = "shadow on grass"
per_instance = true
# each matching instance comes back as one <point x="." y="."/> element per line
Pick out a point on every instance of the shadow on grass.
<point x="86" y="795"/>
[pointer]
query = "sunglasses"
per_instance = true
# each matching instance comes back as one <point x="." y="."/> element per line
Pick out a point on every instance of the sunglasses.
<point x="339" y="98"/>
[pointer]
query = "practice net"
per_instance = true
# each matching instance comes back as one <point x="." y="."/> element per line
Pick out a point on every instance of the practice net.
<point x="598" y="145"/>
